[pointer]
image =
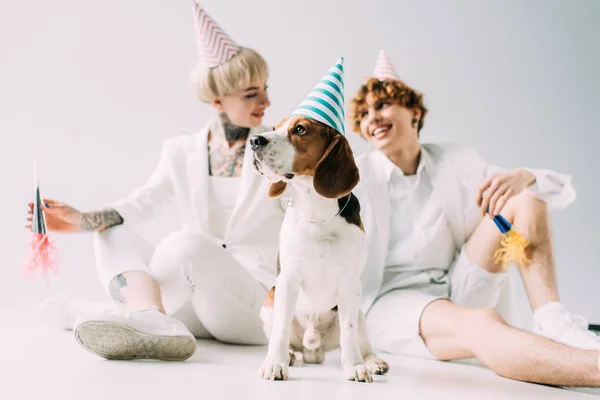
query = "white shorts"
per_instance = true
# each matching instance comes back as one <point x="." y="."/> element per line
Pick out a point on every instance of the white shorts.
<point x="394" y="318"/>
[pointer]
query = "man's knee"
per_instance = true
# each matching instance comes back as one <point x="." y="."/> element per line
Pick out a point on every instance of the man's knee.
<point x="525" y="203"/>
<point x="483" y="318"/>
<point x="451" y="331"/>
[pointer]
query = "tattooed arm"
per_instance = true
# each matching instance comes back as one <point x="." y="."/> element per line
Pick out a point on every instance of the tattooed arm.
<point x="140" y="206"/>
<point x="97" y="221"/>
<point x="63" y="218"/>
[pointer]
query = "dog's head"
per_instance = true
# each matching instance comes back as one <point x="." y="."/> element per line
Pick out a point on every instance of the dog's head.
<point x="299" y="146"/>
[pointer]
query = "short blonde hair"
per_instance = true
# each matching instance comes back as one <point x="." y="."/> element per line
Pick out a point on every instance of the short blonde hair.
<point x="246" y="67"/>
<point x="397" y="91"/>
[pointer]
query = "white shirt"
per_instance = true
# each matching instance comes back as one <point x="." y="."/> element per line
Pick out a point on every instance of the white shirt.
<point x="453" y="171"/>
<point x="223" y="196"/>
<point x="421" y="247"/>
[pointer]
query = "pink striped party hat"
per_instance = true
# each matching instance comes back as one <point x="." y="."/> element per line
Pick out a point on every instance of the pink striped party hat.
<point x="215" y="47"/>
<point x="384" y="70"/>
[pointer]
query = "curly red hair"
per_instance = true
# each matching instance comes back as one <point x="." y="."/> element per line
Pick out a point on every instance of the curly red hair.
<point x="396" y="91"/>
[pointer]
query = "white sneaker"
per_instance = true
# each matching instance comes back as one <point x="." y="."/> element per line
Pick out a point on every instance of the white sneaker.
<point x="61" y="311"/>
<point x="145" y="334"/>
<point x="553" y="321"/>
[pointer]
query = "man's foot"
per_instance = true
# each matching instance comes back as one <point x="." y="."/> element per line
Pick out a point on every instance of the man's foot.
<point x="553" y="321"/>
<point x="146" y="334"/>
<point x="61" y="311"/>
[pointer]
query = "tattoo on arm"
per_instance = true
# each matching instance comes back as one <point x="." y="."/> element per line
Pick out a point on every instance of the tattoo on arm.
<point x="117" y="283"/>
<point x="97" y="221"/>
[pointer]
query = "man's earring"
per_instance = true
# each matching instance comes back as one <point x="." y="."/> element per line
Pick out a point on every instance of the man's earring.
<point x="414" y="122"/>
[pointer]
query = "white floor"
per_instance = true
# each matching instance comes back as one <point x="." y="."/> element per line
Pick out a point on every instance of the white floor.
<point x="37" y="362"/>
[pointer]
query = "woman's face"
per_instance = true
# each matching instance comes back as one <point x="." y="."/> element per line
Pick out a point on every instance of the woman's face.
<point x="386" y="125"/>
<point x="246" y="107"/>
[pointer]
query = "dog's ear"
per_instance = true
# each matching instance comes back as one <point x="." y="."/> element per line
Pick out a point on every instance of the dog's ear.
<point x="276" y="189"/>
<point x="336" y="173"/>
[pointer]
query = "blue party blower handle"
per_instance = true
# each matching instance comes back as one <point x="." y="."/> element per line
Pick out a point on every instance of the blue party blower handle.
<point x="501" y="223"/>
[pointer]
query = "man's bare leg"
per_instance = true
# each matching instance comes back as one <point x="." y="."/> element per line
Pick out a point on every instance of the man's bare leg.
<point x="530" y="217"/>
<point x="452" y="332"/>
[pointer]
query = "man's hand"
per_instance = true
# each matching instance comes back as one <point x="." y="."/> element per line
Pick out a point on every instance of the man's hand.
<point x="497" y="189"/>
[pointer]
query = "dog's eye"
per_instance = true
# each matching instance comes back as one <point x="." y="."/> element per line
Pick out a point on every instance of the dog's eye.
<point x="299" y="130"/>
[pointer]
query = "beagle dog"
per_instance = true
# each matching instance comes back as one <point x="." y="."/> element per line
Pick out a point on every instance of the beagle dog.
<point x="315" y="304"/>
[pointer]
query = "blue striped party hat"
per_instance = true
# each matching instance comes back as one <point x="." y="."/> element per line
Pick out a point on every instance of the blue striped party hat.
<point x="326" y="101"/>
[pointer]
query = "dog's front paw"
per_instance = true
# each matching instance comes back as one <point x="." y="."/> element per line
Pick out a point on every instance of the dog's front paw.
<point x="358" y="373"/>
<point x="274" y="369"/>
<point x="376" y="365"/>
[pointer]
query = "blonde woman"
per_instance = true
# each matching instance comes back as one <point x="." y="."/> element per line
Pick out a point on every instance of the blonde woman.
<point x="215" y="272"/>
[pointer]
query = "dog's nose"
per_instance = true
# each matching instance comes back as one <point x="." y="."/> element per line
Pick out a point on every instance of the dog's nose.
<point x="258" y="141"/>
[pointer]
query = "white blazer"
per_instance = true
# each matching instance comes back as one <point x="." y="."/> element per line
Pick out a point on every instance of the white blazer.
<point x="252" y="235"/>
<point x="456" y="172"/>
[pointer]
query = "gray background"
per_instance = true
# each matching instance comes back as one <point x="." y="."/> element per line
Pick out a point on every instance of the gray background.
<point x="91" y="90"/>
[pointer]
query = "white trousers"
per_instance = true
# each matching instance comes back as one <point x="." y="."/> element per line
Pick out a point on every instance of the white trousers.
<point x="201" y="283"/>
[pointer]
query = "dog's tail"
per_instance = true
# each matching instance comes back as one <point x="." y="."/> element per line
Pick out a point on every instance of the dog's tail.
<point x="312" y="338"/>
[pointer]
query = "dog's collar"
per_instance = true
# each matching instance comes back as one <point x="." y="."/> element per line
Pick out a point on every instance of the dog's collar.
<point x="290" y="203"/>
<point x="345" y="204"/>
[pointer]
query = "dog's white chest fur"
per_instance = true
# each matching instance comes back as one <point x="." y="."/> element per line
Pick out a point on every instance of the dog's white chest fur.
<point x="322" y="254"/>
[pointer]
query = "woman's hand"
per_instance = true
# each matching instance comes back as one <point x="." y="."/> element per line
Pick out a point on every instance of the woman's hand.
<point x="60" y="217"/>
<point x="63" y="218"/>
<point x="497" y="189"/>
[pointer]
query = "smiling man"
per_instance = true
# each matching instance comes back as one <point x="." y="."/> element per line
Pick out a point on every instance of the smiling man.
<point x="431" y="285"/>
